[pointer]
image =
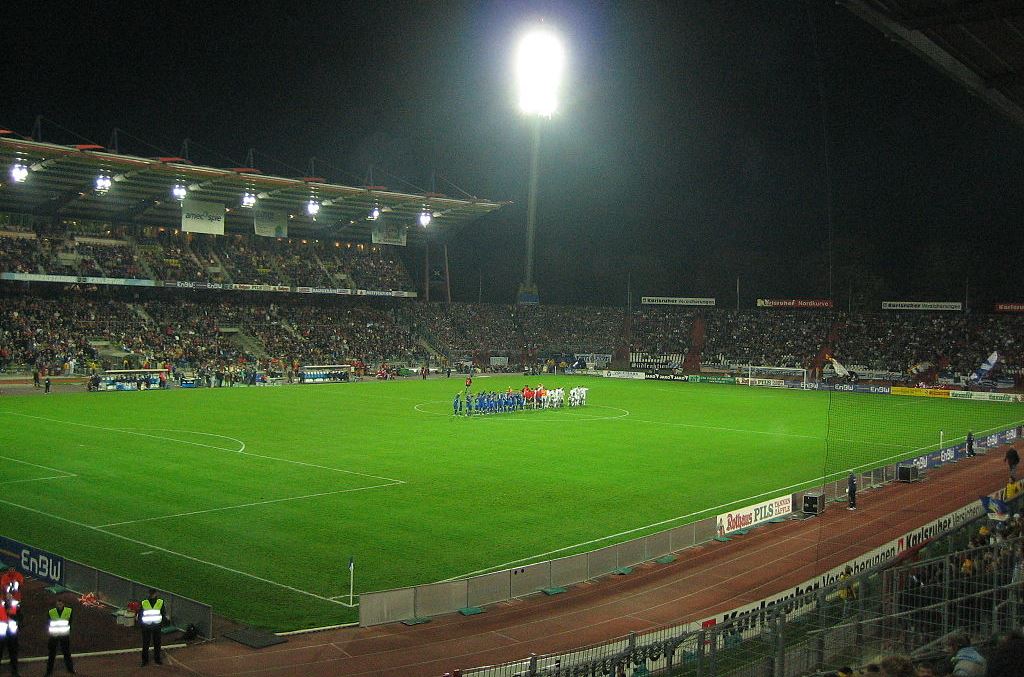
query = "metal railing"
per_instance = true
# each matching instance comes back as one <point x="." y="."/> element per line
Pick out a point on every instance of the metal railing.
<point x="882" y="610"/>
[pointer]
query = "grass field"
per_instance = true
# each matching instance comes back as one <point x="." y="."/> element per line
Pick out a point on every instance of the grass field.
<point x="254" y="499"/>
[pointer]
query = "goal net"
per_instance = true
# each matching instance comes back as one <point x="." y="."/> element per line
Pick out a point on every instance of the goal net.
<point x="757" y="374"/>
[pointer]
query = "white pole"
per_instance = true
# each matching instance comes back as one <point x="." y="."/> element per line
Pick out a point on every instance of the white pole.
<point x="941" y="434"/>
<point x="351" y="584"/>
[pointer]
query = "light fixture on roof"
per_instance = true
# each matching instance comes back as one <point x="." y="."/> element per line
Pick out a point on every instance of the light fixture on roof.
<point x="425" y="217"/>
<point x="312" y="207"/>
<point x="19" y="172"/>
<point x="374" y="213"/>
<point x="103" y="183"/>
<point x="249" y="199"/>
<point x="179" y="191"/>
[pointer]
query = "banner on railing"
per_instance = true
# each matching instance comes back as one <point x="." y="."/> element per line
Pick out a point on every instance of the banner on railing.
<point x="1010" y="307"/>
<point x="70" y="279"/>
<point x="922" y="305"/>
<point x="794" y="303"/>
<point x="32" y="561"/>
<point x="752" y="515"/>
<point x="919" y="392"/>
<point x="676" y="301"/>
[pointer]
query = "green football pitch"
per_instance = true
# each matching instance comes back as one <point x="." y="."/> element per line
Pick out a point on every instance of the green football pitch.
<point x="254" y="499"/>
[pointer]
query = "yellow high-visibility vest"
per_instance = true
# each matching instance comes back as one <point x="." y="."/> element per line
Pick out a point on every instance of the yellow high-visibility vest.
<point x="151" y="613"/>
<point x="60" y="622"/>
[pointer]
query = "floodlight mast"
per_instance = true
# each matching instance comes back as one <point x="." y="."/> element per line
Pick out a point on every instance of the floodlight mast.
<point x="539" y="63"/>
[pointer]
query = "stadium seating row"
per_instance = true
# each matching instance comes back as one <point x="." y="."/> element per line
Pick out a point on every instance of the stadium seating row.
<point x="173" y="256"/>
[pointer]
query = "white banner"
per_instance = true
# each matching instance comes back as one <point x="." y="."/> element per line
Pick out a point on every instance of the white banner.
<point x="499" y="361"/>
<point x="752" y="515"/>
<point x="269" y="222"/>
<point x="639" y="375"/>
<point x="202" y="217"/>
<point x="388" y="233"/>
<point x="922" y="305"/>
<point x="676" y="301"/>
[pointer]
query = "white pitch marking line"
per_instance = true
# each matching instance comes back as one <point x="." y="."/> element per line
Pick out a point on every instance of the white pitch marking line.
<point x="170" y="552"/>
<point x="809" y="483"/>
<point x="241" y="451"/>
<point x="246" y="505"/>
<point x="36" y="465"/>
<point x="39" y="479"/>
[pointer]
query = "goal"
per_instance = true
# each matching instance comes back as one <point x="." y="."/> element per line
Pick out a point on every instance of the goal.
<point x="764" y="372"/>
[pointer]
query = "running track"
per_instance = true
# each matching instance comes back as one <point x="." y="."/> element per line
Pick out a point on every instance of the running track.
<point x="703" y="581"/>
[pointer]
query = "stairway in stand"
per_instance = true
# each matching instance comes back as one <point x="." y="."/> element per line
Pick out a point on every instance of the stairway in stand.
<point x="691" y="363"/>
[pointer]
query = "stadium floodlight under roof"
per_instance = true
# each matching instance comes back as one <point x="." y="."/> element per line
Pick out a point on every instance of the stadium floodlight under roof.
<point x="540" y="60"/>
<point x="425" y="218"/>
<point x="374" y="213"/>
<point x="179" y="191"/>
<point x="312" y="207"/>
<point x="103" y="183"/>
<point x="19" y="172"/>
<point x="248" y="199"/>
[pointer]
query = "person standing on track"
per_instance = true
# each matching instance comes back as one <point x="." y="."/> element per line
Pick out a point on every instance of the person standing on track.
<point x="151" y="619"/>
<point x="851" y="491"/>
<point x="59" y="629"/>
<point x="10" y="614"/>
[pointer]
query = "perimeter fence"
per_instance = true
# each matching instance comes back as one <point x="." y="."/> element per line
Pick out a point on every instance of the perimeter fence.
<point x="401" y="604"/>
<point x="906" y="607"/>
<point x="111" y="589"/>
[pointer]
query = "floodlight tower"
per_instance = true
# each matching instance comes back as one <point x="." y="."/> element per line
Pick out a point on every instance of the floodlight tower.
<point x="540" y="60"/>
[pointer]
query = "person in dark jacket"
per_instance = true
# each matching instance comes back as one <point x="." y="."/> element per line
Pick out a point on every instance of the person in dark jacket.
<point x="851" y="491"/>
<point x="1012" y="460"/>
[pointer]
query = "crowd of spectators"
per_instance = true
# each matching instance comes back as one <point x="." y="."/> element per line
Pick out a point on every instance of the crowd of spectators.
<point x="171" y="255"/>
<point x="662" y="330"/>
<point x="19" y="254"/>
<point x="948" y="343"/>
<point x="778" y="338"/>
<point x="368" y="266"/>
<point x="167" y="254"/>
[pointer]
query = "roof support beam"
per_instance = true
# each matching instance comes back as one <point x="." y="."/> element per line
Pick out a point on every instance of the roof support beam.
<point x="924" y="47"/>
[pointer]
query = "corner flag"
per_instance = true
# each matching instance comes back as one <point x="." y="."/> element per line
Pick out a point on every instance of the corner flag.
<point x="351" y="579"/>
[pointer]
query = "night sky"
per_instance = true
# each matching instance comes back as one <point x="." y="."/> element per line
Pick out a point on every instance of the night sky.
<point x="688" y="149"/>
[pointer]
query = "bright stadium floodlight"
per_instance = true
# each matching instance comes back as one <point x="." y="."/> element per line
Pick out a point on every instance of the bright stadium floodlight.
<point x="248" y="200"/>
<point x="425" y="218"/>
<point x="19" y="172"/>
<point x="540" y="60"/>
<point x="103" y="183"/>
<point x="179" y="191"/>
<point x="312" y="207"/>
<point x="374" y="213"/>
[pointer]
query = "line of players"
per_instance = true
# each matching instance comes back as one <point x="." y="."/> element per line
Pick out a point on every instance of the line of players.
<point x="491" y="402"/>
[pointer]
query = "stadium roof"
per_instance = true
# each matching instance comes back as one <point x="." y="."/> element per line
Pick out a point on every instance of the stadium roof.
<point x="61" y="183"/>
<point x="979" y="43"/>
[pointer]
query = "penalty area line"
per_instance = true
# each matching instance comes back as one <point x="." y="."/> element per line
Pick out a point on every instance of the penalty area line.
<point x="241" y="451"/>
<point x="173" y="553"/>
<point x="247" y="505"/>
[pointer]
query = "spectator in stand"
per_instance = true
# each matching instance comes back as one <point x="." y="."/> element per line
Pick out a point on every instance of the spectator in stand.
<point x="1012" y="460"/>
<point x="966" y="660"/>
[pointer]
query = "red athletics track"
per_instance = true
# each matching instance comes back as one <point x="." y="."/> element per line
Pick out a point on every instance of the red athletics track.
<point x="705" y="580"/>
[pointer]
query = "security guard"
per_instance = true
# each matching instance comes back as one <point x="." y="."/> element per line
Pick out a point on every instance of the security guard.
<point x="59" y="627"/>
<point x="10" y="614"/>
<point x="151" y="618"/>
